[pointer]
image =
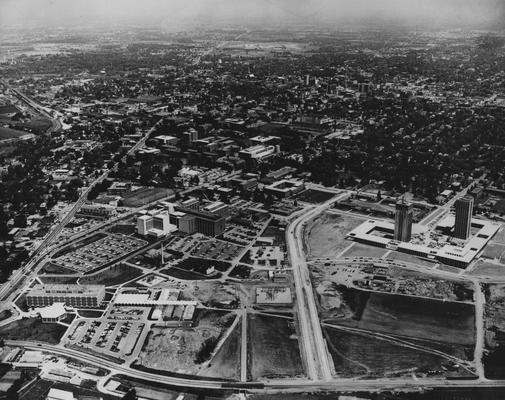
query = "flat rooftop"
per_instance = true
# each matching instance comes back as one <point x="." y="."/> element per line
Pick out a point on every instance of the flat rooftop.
<point x="59" y="289"/>
<point x="454" y="250"/>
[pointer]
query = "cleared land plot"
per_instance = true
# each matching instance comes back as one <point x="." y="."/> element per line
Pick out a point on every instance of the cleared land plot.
<point x="500" y="236"/>
<point x="494" y="322"/>
<point x="362" y="250"/>
<point x="447" y="322"/>
<point x="226" y="362"/>
<point x="32" y="329"/>
<point x="273" y="348"/>
<point x="357" y="354"/>
<point x="183" y="350"/>
<point x="396" y="255"/>
<point x="315" y="196"/>
<point x="212" y="294"/>
<point x="114" y="275"/>
<point x="325" y="235"/>
<point x="488" y="269"/>
<point x="494" y="251"/>
<point x="146" y="195"/>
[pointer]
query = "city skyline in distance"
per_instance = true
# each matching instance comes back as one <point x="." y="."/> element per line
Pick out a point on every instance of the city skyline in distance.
<point x="175" y="14"/>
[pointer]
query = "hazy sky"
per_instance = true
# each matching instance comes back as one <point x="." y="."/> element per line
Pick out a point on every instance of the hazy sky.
<point x="166" y="13"/>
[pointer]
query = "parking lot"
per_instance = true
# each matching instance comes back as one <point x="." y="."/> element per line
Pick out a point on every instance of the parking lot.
<point x="116" y="338"/>
<point x="216" y="250"/>
<point x="99" y="252"/>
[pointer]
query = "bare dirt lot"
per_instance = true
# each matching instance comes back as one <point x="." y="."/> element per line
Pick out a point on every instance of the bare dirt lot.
<point x="483" y="268"/>
<point x="226" y="362"/>
<point x="420" y="318"/>
<point x="325" y="235"/>
<point x="362" y="250"/>
<point x="183" y="350"/>
<point x="273" y="346"/>
<point x="356" y="354"/>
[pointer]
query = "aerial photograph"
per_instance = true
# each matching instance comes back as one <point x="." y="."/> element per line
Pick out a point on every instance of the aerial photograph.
<point x="252" y="200"/>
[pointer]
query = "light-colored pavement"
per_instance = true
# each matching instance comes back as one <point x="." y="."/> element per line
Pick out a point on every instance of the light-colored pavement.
<point x="312" y="341"/>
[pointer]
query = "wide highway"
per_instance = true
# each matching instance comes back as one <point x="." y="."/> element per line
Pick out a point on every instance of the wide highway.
<point x="312" y="341"/>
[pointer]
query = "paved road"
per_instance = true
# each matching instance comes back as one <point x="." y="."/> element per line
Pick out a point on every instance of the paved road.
<point x="268" y="386"/>
<point x="312" y="340"/>
<point x="41" y="252"/>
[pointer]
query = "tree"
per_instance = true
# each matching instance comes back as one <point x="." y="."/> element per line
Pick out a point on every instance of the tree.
<point x="130" y="395"/>
<point x="20" y="221"/>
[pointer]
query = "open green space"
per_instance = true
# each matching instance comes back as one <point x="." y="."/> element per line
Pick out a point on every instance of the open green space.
<point x="8" y="133"/>
<point x="499" y="237"/>
<point x="58" y="279"/>
<point x="494" y="251"/>
<point x="273" y="349"/>
<point x="90" y="313"/>
<point x="4" y="314"/>
<point x="356" y="354"/>
<point x="33" y="329"/>
<point x="50" y="268"/>
<point x="484" y="268"/>
<point x="363" y="250"/>
<point x="115" y="275"/>
<point x="315" y="196"/>
<point x="325" y="235"/>
<point x="405" y="316"/>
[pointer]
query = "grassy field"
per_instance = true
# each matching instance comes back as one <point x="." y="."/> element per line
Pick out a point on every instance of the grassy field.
<point x="50" y="268"/>
<point x="500" y="236"/>
<point x="111" y="276"/>
<point x="58" y="279"/>
<point x="273" y="349"/>
<point x="90" y="313"/>
<point x="363" y="250"/>
<point x="32" y="329"/>
<point x="408" y="316"/>
<point x="8" y="133"/>
<point x="325" y="235"/>
<point x="5" y="314"/>
<point x="183" y="350"/>
<point x="494" y="250"/>
<point x="357" y="354"/>
<point x="226" y="362"/>
<point x="315" y="196"/>
<point x="488" y="269"/>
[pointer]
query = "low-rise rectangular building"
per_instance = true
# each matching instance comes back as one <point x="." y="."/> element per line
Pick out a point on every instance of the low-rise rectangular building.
<point x="78" y="296"/>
